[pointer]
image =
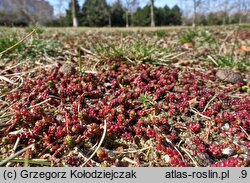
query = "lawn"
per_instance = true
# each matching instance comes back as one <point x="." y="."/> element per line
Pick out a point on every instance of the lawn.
<point x="138" y="97"/>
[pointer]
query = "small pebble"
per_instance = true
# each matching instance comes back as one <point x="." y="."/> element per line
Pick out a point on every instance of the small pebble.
<point x="229" y="76"/>
<point x="167" y="158"/>
<point x="67" y="68"/>
<point x="225" y="127"/>
<point x="227" y="151"/>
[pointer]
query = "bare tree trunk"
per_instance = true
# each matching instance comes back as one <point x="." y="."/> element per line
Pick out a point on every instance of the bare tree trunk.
<point x="152" y="13"/>
<point x="110" y="21"/>
<point x="240" y="11"/>
<point x="75" y="21"/>
<point x="194" y="14"/>
<point x="132" y="19"/>
<point x="130" y="9"/>
<point x="127" y="24"/>
<point x="224" y="20"/>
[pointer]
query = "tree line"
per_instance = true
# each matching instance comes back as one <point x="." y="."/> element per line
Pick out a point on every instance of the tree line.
<point x="218" y="12"/>
<point x="98" y="13"/>
<point x="124" y="13"/>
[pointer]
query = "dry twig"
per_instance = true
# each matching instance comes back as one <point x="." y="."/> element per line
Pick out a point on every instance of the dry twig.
<point x="22" y="40"/>
<point x="99" y="145"/>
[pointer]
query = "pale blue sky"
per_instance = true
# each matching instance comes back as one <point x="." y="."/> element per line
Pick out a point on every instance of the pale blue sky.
<point x="60" y="5"/>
